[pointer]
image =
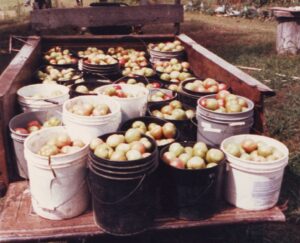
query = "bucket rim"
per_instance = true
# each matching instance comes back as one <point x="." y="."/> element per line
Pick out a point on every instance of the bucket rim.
<point x="200" y="94"/>
<point x="104" y="137"/>
<point x="200" y="107"/>
<point x="63" y="88"/>
<point x="115" y="104"/>
<point x="191" y="143"/>
<point x="249" y="162"/>
<point x="152" y="106"/>
<point x="57" y="128"/>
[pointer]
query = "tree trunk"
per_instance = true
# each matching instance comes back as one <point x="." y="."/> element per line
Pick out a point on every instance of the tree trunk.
<point x="288" y="36"/>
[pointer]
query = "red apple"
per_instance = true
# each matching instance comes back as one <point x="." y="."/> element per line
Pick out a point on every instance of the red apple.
<point x="177" y="163"/>
<point x="21" y="130"/>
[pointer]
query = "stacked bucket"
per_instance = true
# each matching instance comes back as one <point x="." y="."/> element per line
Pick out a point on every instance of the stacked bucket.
<point x="124" y="192"/>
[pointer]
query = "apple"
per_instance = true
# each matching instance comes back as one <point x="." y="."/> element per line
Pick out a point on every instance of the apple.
<point x="233" y="149"/>
<point x="176" y="148"/>
<point x="249" y="145"/>
<point x="214" y="156"/>
<point x="133" y="155"/>
<point x="114" y="140"/>
<point x="195" y="163"/>
<point x="169" y="130"/>
<point x="132" y="135"/>
<point x="21" y="130"/>
<point x="177" y="163"/>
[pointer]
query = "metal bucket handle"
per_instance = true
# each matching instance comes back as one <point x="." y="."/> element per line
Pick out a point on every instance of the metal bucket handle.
<point x="122" y="198"/>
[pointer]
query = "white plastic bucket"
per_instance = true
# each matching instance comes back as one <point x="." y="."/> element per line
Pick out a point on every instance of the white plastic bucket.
<point x="58" y="191"/>
<point x="89" y="127"/>
<point x="254" y="185"/>
<point x="214" y="127"/>
<point x="50" y="100"/>
<point x="18" y="139"/>
<point x="131" y="107"/>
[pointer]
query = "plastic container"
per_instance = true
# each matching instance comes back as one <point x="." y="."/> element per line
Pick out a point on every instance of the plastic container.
<point x="91" y="85"/>
<point x="214" y="127"/>
<point x="131" y="107"/>
<point x="52" y="100"/>
<point x="196" y="193"/>
<point x="58" y="184"/>
<point x="123" y="198"/>
<point x="187" y="127"/>
<point x="86" y="128"/>
<point x="168" y="92"/>
<point x="18" y="139"/>
<point x="254" y="185"/>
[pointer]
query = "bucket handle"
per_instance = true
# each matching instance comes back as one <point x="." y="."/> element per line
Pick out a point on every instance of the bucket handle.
<point x="212" y="180"/>
<point x="124" y="197"/>
<point x="53" y="208"/>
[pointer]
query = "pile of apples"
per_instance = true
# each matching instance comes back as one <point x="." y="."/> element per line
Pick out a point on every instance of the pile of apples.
<point x="208" y="85"/>
<point x="84" y="90"/>
<point x="89" y="51"/>
<point x="87" y="109"/>
<point x="163" y="135"/>
<point x="172" y="65"/>
<point x="174" y="46"/>
<point x="256" y="151"/>
<point x="35" y="125"/>
<point x="225" y="102"/>
<point x="60" y="145"/>
<point x="174" y="87"/>
<point x="192" y="158"/>
<point x="153" y="85"/>
<point x="118" y="147"/>
<point x="117" y="91"/>
<point x="132" y="81"/>
<point x="140" y="71"/>
<point x="174" y="111"/>
<point x="100" y="59"/>
<point x="159" y="95"/>
<point x="58" y="56"/>
<point x="173" y="70"/>
<point x="51" y="75"/>
<point x="128" y="57"/>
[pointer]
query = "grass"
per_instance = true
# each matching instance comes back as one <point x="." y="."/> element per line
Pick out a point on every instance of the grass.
<point x="252" y="43"/>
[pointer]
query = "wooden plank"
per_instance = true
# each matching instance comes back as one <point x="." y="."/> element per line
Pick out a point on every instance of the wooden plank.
<point x="207" y="64"/>
<point x="106" y="16"/>
<point x="286" y="14"/>
<point x="18" y="222"/>
<point x="14" y="76"/>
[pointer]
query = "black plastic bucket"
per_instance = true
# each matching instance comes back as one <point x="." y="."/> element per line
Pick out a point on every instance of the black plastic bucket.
<point x="124" y="201"/>
<point x="197" y="193"/>
<point x="191" y="97"/>
<point x="90" y="85"/>
<point x="166" y="91"/>
<point x="187" y="127"/>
